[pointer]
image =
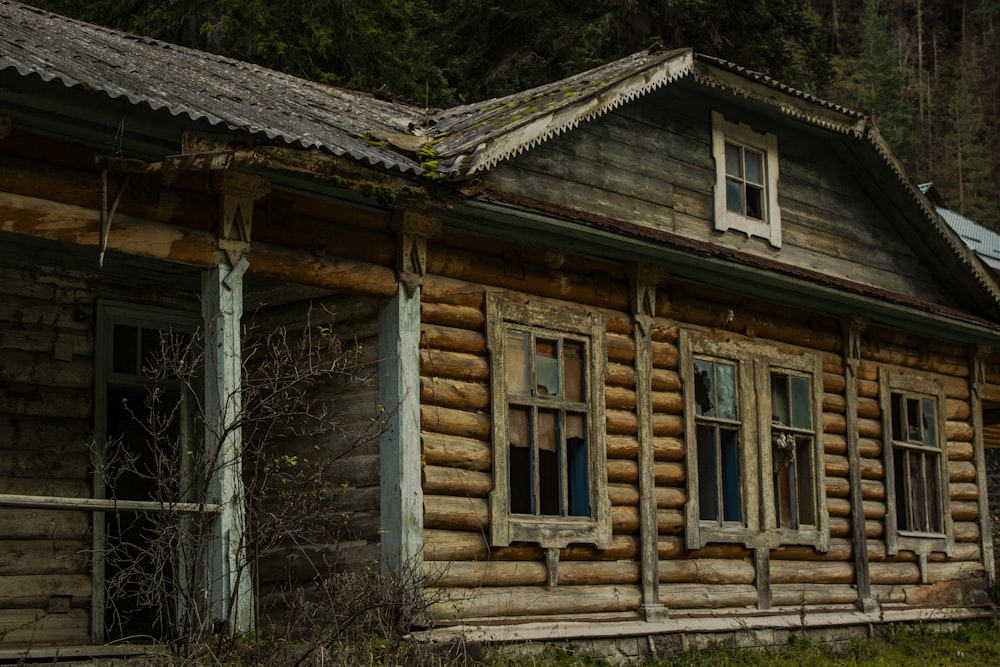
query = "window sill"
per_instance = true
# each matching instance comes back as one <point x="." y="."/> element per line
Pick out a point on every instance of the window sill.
<point x="559" y="532"/>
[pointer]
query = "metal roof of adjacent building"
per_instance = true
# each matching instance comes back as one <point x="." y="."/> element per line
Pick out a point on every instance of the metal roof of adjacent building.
<point x="981" y="240"/>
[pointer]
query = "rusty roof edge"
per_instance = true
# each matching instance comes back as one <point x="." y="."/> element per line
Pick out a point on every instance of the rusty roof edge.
<point x="545" y="126"/>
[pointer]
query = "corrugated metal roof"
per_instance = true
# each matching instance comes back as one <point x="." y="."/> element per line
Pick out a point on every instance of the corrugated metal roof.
<point x="475" y="137"/>
<point x="202" y="86"/>
<point x="981" y="240"/>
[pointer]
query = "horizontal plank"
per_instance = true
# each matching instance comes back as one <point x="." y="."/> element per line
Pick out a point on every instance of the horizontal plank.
<point x="531" y="600"/>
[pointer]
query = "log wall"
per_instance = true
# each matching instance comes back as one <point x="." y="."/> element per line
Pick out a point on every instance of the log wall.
<point x="47" y="326"/>
<point x="46" y="422"/>
<point x="468" y="578"/>
<point x="342" y="464"/>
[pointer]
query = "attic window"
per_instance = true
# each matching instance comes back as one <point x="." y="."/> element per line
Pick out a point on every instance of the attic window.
<point x="746" y="180"/>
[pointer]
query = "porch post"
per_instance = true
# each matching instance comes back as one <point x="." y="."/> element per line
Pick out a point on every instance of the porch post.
<point x="401" y="502"/>
<point x="401" y="491"/>
<point x="228" y="570"/>
<point x="229" y="578"/>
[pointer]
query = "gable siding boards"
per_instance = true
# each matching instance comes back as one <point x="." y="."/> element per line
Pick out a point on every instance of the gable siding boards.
<point x="650" y="163"/>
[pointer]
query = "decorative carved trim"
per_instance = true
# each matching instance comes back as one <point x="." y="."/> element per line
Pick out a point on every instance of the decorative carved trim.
<point x="977" y="372"/>
<point x="413" y="230"/>
<point x="643" y="279"/>
<point x="853" y="327"/>
<point x="237" y="193"/>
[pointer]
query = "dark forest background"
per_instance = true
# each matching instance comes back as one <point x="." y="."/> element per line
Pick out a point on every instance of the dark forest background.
<point x="926" y="71"/>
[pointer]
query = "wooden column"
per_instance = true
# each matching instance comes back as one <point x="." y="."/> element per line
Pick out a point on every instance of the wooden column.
<point x="229" y="577"/>
<point x="852" y="328"/>
<point x="977" y="378"/>
<point x="644" y="278"/>
<point x="401" y="494"/>
<point x="231" y="594"/>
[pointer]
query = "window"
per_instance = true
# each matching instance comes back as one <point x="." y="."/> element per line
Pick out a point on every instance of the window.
<point x="753" y="444"/>
<point x="916" y="464"/>
<point x="547" y="384"/>
<point x="746" y="180"/>
<point x="145" y="425"/>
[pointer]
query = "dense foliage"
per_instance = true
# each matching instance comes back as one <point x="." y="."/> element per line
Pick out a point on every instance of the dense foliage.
<point x="922" y="69"/>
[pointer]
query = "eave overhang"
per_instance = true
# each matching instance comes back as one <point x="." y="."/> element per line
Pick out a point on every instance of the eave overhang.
<point x="513" y="219"/>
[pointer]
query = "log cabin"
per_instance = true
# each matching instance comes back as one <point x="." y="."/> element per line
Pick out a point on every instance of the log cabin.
<point x="665" y="350"/>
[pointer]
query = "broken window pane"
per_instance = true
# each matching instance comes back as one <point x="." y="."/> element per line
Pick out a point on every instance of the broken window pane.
<point x="704" y="388"/>
<point x="755" y="202"/>
<point x="549" y="479"/>
<point x="125" y="344"/>
<point x="899" y="469"/>
<point x="731" y="505"/>
<point x="715" y="389"/>
<point x="708" y="475"/>
<point x="779" y="399"/>
<point x="519" y="459"/>
<point x="573" y="356"/>
<point x="518" y="361"/>
<point x="805" y="482"/>
<point x="546" y="367"/>
<point x="783" y="497"/>
<point x="577" y="464"/>
<point x="929" y="422"/>
<point x="935" y="517"/>
<point x="914" y="432"/>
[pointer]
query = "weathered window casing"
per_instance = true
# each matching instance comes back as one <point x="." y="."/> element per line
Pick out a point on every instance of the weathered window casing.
<point x="753" y="436"/>
<point x="914" y="433"/>
<point x="549" y="457"/>
<point x="746" y="180"/>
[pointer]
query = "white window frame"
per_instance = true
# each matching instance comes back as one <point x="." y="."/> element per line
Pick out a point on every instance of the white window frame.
<point x="915" y="386"/>
<point x="558" y="323"/>
<point x="753" y="365"/>
<point x="741" y="134"/>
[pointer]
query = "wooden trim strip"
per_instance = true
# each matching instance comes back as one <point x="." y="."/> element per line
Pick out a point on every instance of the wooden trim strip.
<point x="104" y="504"/>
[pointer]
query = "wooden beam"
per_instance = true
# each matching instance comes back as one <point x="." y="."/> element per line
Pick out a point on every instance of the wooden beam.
<point x="54" y="221"/>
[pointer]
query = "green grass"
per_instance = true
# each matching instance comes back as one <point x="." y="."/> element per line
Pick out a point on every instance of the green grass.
<point x="974" y="644"/>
